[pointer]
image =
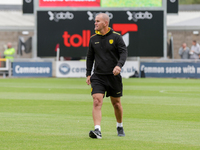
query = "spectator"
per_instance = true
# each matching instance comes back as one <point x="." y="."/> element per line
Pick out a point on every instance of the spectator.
<point x="9" y="52"/>
<point x="195" y="50"/>
<point x="184" y="51"/>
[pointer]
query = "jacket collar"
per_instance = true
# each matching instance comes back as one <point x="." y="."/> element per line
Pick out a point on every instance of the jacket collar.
<point x="98" y="33"/>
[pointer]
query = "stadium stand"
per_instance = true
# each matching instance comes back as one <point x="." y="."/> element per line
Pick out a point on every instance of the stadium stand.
<point x="182" y="27"/>
<point x="12" y="25"/>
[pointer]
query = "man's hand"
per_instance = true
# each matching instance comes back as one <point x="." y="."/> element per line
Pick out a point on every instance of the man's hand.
<point x="88" y="80"/>
<point x="116" y="70"/>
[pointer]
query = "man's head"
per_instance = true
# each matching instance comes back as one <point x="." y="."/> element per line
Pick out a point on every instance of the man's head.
<point x="194" y="42"/>
<point x="9" y="45"/>
<point x="184" y="45"/>
<point x="101" y="22"/>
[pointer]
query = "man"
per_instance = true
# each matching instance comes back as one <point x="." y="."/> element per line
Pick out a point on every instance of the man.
<point x="9" y="52"/>
<point x="108" y="50"/>
<point x="195" y="50"/>
<point x="184" y="51"/>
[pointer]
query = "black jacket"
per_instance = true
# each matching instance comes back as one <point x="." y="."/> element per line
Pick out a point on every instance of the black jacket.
<point x="108" y="51"/>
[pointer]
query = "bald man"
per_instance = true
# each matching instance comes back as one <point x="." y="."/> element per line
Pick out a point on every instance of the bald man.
<point x="108" y="52"/>
<point x="184" y="51"/>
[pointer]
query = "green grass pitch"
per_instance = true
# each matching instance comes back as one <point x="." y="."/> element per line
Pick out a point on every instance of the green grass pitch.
<point x="55" y="114"/>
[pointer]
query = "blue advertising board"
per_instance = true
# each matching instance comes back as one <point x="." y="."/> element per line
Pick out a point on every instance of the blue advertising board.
<point x="170" y="70"/>
<point x="32" y="69"/>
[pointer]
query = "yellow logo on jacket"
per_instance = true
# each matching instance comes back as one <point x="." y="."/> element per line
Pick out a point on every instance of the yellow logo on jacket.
<point x="111" y="41"/>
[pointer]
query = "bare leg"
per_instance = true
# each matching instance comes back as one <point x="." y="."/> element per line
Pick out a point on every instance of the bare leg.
<point x="97" y="104"/>
<point x="117" y="108"/>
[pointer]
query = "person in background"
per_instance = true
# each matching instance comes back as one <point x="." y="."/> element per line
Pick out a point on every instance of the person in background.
<point x="195" y="50"/>
<point x="184" y="51"/>
<point x="9" y="52"/>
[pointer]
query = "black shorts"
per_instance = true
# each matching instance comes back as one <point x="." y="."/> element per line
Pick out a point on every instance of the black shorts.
<point x="110" y="84"/>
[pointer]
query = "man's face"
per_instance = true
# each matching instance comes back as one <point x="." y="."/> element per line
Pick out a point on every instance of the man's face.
<point x="9" y="45"/>
<point x="99" y="23"/>
<point x="184" y="45"/>
<point x="194" y="43"/>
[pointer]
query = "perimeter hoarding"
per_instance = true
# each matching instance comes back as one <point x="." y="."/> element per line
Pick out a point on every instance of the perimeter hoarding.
<point x="32" y="69"/>
<point x="66" y="69"/>
<point x="142" y="31"/>
<point x="171" y="70"/>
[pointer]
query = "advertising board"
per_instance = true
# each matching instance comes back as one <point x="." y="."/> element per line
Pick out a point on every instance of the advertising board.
<point x="100" y="3"/>
<point x="129" y="3"/>
<point x="69" y="3"/>
<point x="142" y="31"/>
<point x="78" y="69"/>
<point x="171" y="70"/>
<point x="32" y="69"/>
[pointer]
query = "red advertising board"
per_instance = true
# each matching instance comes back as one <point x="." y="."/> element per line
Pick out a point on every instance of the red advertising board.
<point x="69" y="3"/>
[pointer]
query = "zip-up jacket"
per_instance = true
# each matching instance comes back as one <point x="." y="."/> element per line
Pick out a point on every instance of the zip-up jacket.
<point x="107" y="51"/>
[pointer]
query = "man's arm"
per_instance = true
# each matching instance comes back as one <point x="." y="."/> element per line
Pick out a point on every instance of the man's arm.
<point x="197" y="50"/>
<point x="181" y="52"/>
<point x="89" y="60"/>
<point x="88" y="80"/>
<point x="122" y="50"/>
<point x="116" y="70"/>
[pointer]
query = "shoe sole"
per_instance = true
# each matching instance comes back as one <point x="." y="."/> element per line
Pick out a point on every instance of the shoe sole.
<point x="93" y="135"/>
<point x="121" y="134"/>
